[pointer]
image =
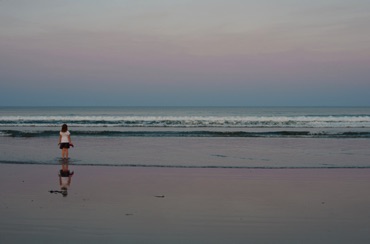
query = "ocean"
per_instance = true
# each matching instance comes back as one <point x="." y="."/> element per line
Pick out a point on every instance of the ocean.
<point x="190" y="137"/>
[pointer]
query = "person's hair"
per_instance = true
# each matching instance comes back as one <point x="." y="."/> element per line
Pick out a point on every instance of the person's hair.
<point x="64" y="128"/>
<point x="64" y="191"/>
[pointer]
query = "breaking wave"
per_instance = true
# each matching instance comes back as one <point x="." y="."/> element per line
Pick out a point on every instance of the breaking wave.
<point x="358" y="121"/>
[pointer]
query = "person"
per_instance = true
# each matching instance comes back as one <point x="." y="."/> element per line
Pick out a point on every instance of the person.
<point x="65" y="141"/>
<point x="65" y="177"/>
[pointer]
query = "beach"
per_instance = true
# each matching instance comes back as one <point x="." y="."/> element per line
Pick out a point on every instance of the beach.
<point x="172" y="205"/>
<point x="170" y="122"/>
<point x="185" y="175"/>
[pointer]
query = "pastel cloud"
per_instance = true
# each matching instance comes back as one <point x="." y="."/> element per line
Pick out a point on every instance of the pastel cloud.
<point x="227" y="47"/>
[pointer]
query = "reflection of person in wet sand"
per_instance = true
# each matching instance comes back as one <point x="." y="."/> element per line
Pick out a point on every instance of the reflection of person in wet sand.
<point x="65" y="177"/>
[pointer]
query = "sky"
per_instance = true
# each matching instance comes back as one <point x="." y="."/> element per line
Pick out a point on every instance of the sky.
<point x="184" y="53"/>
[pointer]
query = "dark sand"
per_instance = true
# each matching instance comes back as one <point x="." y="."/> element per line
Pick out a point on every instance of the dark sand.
<point x="169" y="205"/>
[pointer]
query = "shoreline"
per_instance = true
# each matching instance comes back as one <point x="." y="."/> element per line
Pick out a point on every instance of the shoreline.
<point x="158" y="166"/>
<point x="169" y="205"/>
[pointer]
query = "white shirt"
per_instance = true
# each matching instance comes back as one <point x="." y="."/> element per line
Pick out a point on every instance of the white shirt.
<point x="64" y="136"/>
<point x="64" y="181"/>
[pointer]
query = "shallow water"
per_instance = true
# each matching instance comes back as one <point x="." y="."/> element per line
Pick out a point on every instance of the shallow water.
<point x="178" y="181"/>
<point x="221" y="137"/>
<point x="193" y="152"/>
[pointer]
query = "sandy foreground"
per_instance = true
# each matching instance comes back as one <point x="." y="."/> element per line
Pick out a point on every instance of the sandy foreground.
<point x="172" y="205"/>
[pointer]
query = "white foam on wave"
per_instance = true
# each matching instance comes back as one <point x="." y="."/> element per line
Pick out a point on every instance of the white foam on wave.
<point x="189" y="121"/>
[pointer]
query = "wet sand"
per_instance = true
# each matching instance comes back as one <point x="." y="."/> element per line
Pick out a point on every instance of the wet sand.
<point x="171" y="205"/>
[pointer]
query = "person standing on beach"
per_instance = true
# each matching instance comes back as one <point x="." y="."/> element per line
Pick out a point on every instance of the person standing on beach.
<point x="65" y="141"/>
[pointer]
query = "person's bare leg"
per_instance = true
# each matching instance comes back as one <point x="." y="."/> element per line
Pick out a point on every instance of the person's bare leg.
<point x="65" y="153"/>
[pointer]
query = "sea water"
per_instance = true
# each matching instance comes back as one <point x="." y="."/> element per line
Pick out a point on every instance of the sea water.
<point x="214" y="137"/>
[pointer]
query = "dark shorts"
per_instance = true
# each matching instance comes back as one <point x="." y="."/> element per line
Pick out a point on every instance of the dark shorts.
<point x="64" y="145"/>
<point x="65" y="173"/>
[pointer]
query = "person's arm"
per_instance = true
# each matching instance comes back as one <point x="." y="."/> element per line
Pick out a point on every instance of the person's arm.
<point x="60" y="139"/>
<point x="70" y="141"/>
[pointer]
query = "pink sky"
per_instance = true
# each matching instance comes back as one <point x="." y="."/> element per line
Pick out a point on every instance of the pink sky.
<point x="185" y="53"/>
